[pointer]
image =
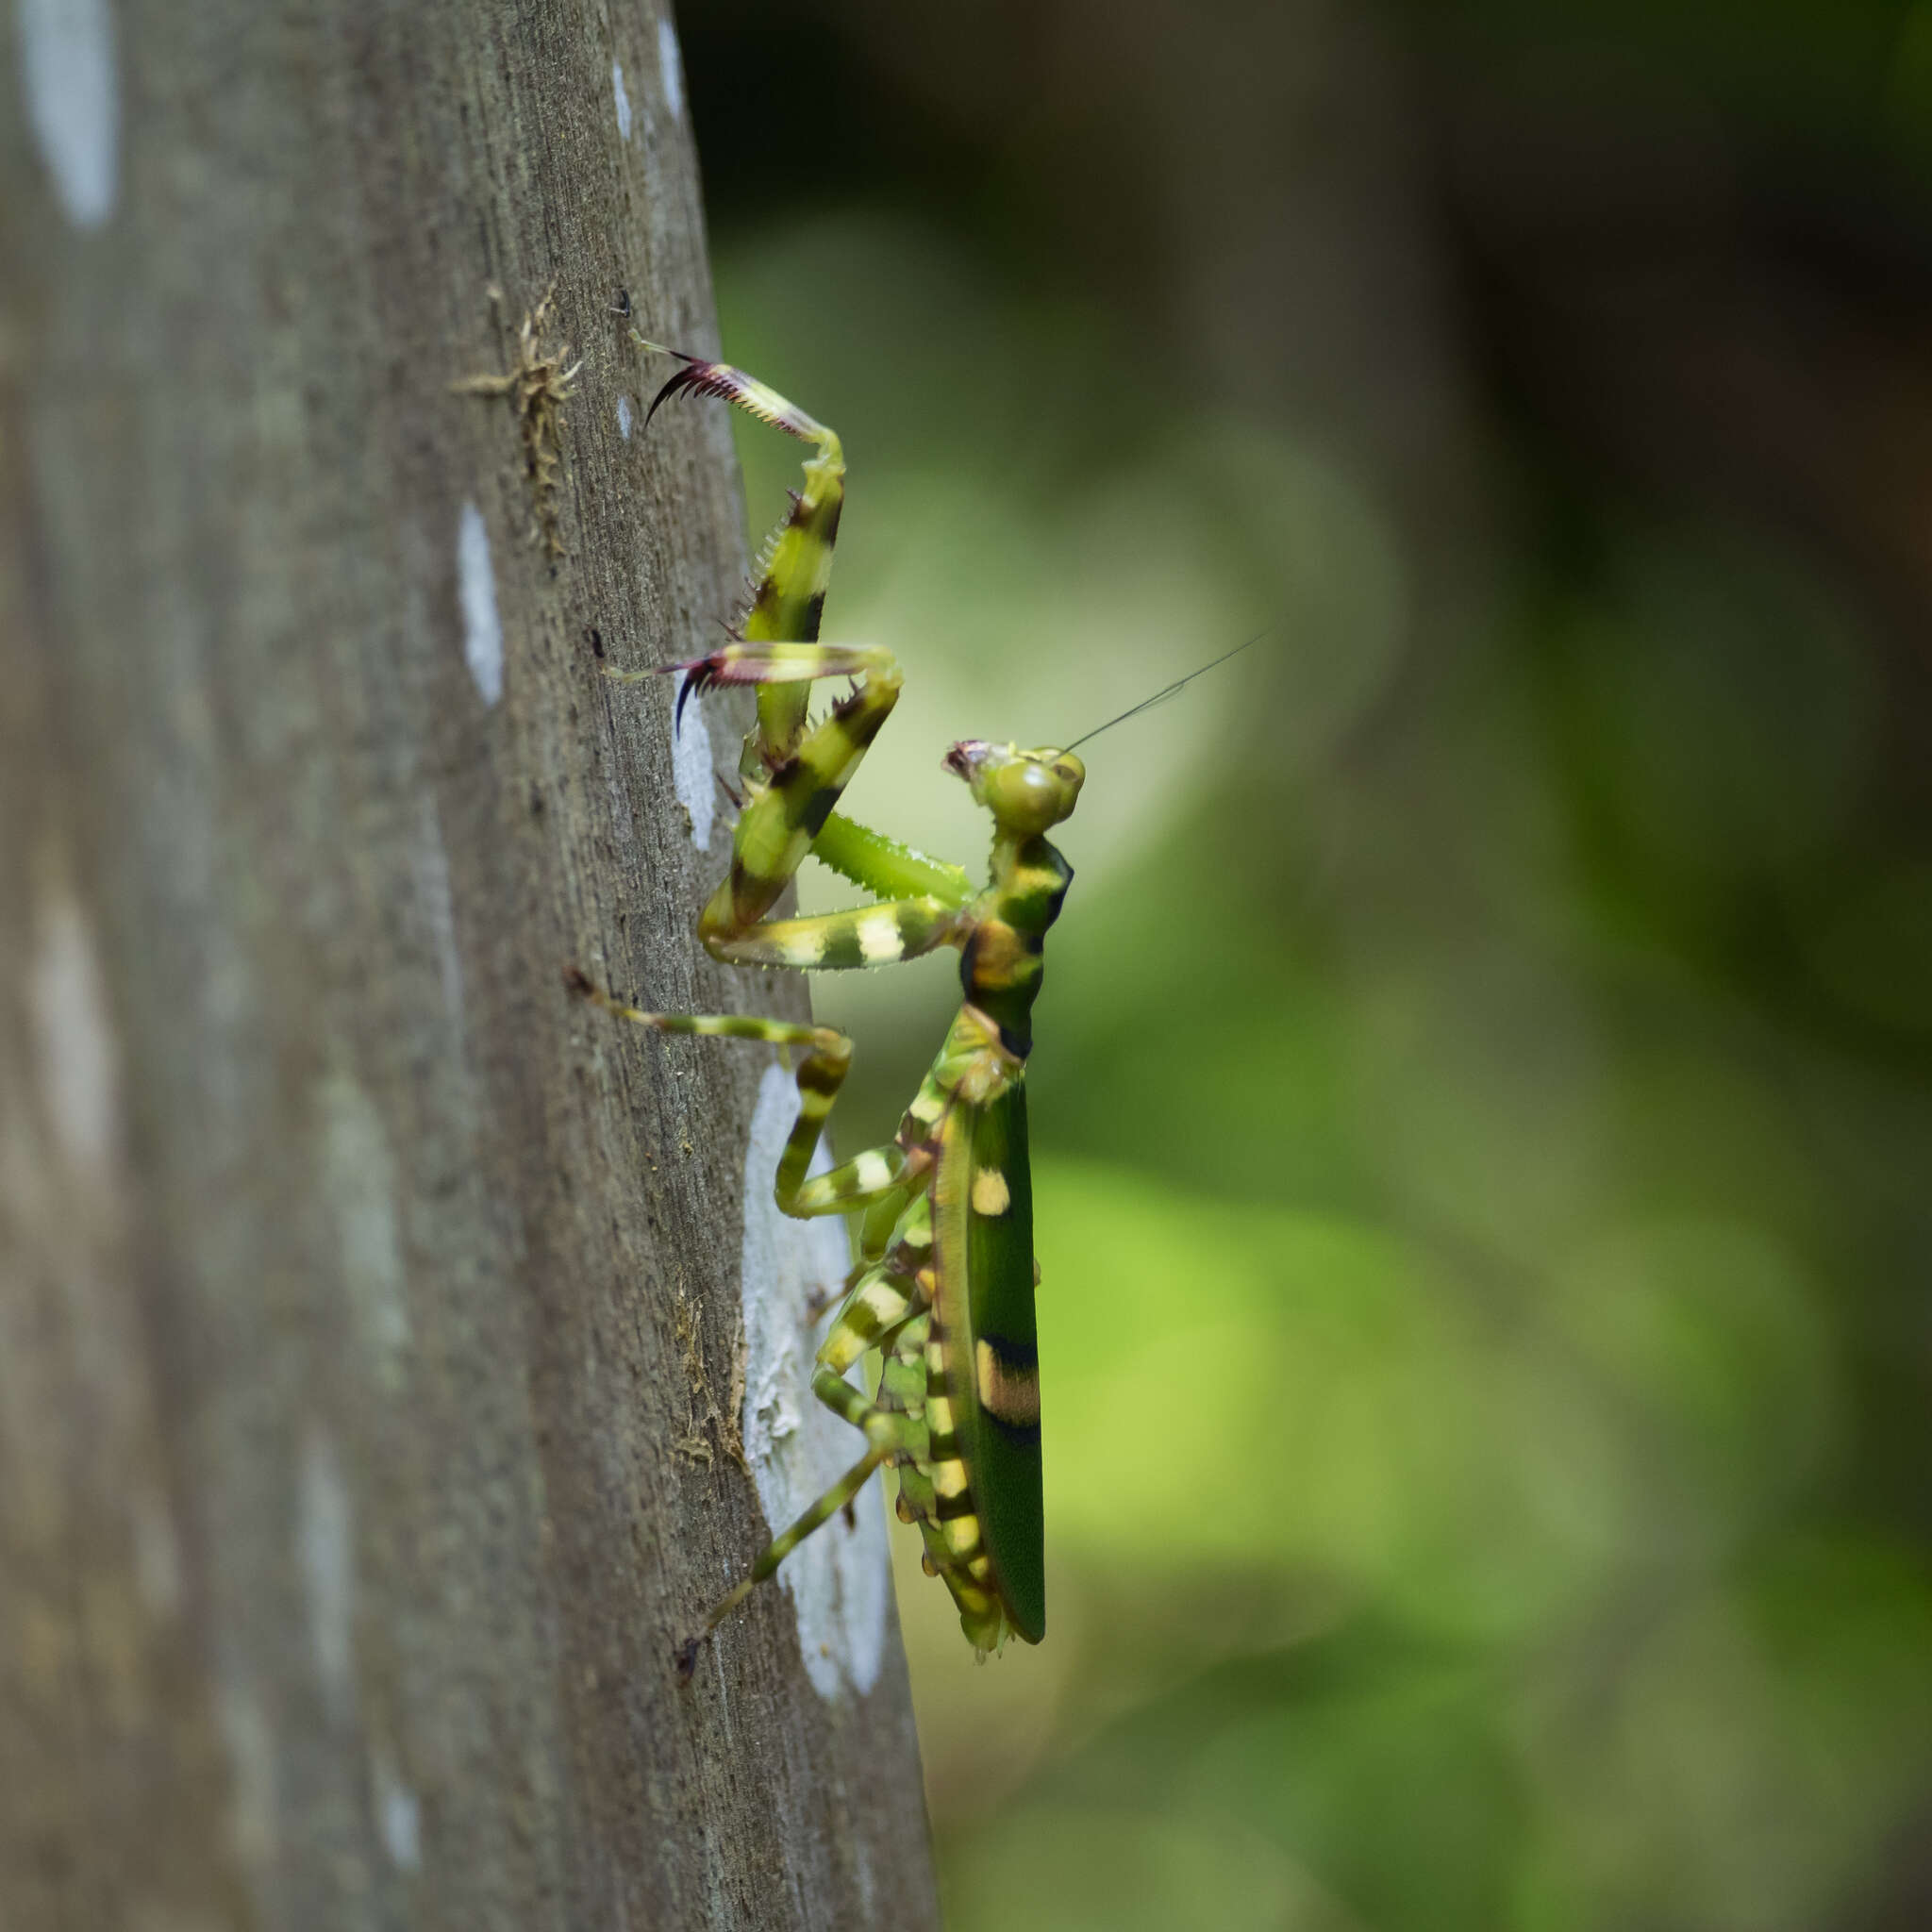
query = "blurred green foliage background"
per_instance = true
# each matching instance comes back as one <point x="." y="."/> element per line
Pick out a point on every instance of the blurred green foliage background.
<point x="1481" y="1105"/>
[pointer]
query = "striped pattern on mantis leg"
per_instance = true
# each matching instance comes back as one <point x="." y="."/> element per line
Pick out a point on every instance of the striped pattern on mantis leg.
<point x="943" y="1286"/>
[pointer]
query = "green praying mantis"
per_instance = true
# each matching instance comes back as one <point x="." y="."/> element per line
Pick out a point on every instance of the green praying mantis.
<point x="944" y="1281"/>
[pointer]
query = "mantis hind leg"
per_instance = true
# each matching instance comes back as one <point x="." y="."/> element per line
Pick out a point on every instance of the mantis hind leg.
<point x="781" y="1546"/>
<point x="880" y="1306"/>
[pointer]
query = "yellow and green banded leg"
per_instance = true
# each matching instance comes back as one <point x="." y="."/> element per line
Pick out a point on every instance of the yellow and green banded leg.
<point x="766" y="1563"/>
<point x="877" y="1178"/>
<point x="875" y="1314"/>
<point x="787" y="814"/>
<point x="909" y="1426"/>
<point x="822" y="1072"/>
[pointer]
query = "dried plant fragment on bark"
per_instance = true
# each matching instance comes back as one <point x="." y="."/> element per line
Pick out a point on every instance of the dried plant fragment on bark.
<point x="537" y="386"/>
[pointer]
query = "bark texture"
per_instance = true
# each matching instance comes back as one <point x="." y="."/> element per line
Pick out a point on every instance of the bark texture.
<point x="367" y="1308"/>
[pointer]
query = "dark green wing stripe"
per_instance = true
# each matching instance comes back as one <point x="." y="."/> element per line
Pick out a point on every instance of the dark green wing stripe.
<point x="983" y="1200"/>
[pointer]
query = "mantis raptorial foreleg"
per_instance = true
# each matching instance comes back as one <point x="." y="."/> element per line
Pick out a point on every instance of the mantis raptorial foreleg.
<point x="789" y="811"/>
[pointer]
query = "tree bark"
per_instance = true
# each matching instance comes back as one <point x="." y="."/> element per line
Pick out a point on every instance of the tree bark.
<point x="369" y="1310"/>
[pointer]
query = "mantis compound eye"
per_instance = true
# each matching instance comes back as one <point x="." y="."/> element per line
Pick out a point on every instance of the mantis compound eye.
<point x="1027" y="797"/>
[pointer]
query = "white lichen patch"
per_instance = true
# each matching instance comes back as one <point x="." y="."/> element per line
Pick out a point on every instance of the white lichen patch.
<point x="324" y="1541"/>
<point x="79" y="1057"/>
<point x="254" y="1801"/>
<point x="670" y="68"/>
<point x="157" y="1555"/>
<point x="476" y="592"/>
<point x="623" y="100"/>
<point x="838" y="1579"/>
<point x="430" y="876"/>
<point x="398" y="1814"/>
<point x="695" y="775"/>
<point x="67" y="73"/>
<point x="623" y="417"/>
<point x="358" y="1172"/>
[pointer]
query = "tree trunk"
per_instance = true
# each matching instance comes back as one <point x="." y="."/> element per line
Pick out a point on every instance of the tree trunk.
<point x="371" y="1351"/>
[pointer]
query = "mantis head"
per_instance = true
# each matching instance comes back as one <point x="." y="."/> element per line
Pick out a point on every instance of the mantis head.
<point x="1025" y="791"/>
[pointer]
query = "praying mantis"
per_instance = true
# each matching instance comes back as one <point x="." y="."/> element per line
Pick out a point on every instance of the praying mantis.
<point x="944" y="1280"/>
